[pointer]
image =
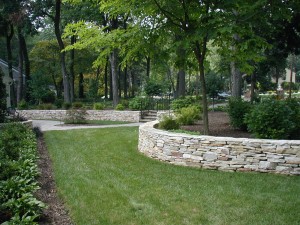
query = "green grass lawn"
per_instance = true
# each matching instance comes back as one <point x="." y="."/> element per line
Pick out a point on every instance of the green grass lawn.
<point x="103" y="179"/>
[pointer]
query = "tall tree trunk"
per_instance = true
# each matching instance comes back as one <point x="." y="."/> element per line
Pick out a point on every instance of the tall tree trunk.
<point x="9" y="36"/>
<point x="119" y="81"/>
<point x="113" y="58"/>
<point x="148" y="60"/>
<point x="181" y="59"/>
<point x="66" y="83"/>
<point x="125" y="82"/>
<point x="181" y="83"/>
<point x="26" y="66"/>
<point x="291" y="77"/>
<point x="20" y="72"/>
<point x="253" y="81"/>
<point x="72" y="73"/>
<point x="236" y="81"/>
<point x="132" y="84"/>
<point x="81" y="87"/>
<point x="200" y="51"/>
<point x="106" y="80"/>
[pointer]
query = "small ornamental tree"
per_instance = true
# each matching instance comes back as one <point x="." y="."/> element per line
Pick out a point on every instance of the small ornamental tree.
<point x="2" y="97"/>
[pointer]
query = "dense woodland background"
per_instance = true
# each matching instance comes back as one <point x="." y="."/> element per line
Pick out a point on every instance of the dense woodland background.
<point x="111" y="49"/>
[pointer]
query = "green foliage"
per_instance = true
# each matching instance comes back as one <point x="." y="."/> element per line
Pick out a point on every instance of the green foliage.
<point x="168" y="123"/>
<point x="188" y="115"/>
<point x="18" y="173"/>
<point x="59" y="103"/>
<point x="76" y="116"/>
<point x="67" y="105"/>
<point x="120" y="107"/>
<point x="214" y="85"/>
<point x="22" y="104"/>
<point x="98" y="106"/>
<point x="2" y="98"/>
<point x="187" y="101"/>
<point x="139" y="103"/>
<point x="286" y="86"/>
<point x="237" y="109"/>
<point x="153" y="88"/>
<point x="48" y="106"/>
<point x="294" y="104"/>
<point x="272" y="119"/>
<point x="48" y="97"/>
<point x="77" y="105"/>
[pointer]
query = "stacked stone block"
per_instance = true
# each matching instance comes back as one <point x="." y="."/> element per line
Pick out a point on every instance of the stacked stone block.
<point x="221" y="153"/>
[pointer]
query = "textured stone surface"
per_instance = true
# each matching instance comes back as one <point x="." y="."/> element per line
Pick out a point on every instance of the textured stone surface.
<point x="221" y="153"/>
<point x="112" y="115"/>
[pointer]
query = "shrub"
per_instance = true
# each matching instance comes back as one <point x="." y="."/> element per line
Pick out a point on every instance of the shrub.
<point x="46" y="106"/>
<point x="168" y="123"/>
<point x="67" y="105"/>
<point x="48" y="97"/>
<point x="294" y="104"/>
<point x="237" y="109"/>
<point x="22" y="105"/>
<point x="271" y="119"/>
<point x="188" y="115"/>
<point x="187" y="101"/>
<point x="77" y="105"/>
<point x="98" y="106"/>
<point x="59" y="103"/>
<point x="139" y="103"/>
<point x="120" y="107"/>
<point x="76" y="116"/>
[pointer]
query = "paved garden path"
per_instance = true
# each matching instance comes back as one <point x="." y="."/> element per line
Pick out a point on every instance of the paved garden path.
<point x="46" y="125"/>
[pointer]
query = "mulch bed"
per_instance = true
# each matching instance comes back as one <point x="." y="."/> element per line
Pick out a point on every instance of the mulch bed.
<point x="219" y="125"/>
<point x="57" y="214"/>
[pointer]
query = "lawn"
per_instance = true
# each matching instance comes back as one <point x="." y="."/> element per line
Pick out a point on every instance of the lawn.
<point x="103" y="179"/>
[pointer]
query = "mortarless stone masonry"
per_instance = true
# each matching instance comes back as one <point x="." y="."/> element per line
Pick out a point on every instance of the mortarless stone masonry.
<point x="221" y="153"/>
<point x="112" y="115"/>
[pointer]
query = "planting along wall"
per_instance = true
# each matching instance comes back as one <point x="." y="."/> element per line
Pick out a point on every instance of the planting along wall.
<point x="112" y="115"/>
<point x="221" y="153"/>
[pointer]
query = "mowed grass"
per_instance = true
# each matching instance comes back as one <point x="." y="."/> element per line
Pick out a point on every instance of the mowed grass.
<point x="103" y="179"/>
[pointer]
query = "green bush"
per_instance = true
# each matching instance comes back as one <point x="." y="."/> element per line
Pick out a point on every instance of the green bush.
<point x="98" y="106"/>
<point x="237" y="109"/>
<point x="187" y="101"/>
<point x="168" y="123"/>
<point x="294" y="104"/>
<point x="22" y="105"/>
<point x="67" y="105"/>
<point x="271" y="119"/>
<point x="76" y="116"/>
<point x="77" y="105"/>
<point x="48" y="97"/>
<point x="120" y="107"/>
<point x="188" y="115"/>
<point x="48" y="106"/>
<point x="139" y="103"/>
<point x="59" y="103"/>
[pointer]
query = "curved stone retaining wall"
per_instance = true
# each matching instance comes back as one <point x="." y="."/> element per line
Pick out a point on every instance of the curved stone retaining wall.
<point x="221" y="153"/>
<point x="112" y="115"/>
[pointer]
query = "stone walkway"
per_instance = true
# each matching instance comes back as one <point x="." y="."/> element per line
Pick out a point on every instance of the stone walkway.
<point x="46" y="125"/>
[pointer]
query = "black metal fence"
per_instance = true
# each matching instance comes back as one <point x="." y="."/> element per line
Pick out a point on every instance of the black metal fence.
<point x="155" y="104"/>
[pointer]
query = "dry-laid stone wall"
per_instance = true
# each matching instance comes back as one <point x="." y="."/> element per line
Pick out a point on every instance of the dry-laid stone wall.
<point x="112" y="115"/>
<point x="220" y="153"/>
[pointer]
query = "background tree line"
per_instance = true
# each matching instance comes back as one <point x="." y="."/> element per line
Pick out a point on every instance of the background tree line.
<point x="115" y="49"/>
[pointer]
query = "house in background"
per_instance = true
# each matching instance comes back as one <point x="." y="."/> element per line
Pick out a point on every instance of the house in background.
<point x="286" y="78"/>
<point x="8" y="81"/>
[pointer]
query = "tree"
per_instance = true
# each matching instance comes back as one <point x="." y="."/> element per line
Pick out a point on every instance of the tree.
<point x="3" y="96"/>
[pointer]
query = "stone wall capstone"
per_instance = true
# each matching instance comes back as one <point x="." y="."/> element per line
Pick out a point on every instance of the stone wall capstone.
<point x="220" y="153"/>
<point x="112" y="115"/>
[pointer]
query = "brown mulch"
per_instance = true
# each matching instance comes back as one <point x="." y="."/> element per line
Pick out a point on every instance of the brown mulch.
<point x="57" y="214"/>
<point x="218" y="126"/>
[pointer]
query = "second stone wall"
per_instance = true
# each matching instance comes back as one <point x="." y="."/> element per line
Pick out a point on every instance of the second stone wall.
<point x="221" y="153"/>
<point x="112" y="115"/>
